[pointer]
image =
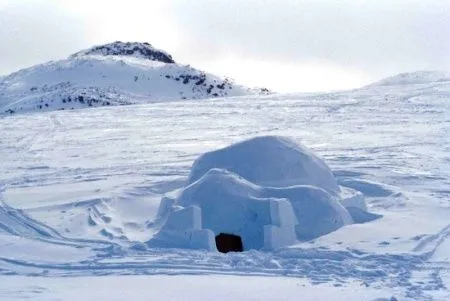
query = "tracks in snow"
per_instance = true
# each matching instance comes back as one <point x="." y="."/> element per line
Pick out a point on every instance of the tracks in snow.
<point x="431" y="243"/>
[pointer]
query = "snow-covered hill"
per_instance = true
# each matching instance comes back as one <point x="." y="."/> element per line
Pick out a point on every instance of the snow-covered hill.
<point x="107" y="75"/>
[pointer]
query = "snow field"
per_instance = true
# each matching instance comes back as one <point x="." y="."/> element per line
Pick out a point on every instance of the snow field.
<point x="82" y="190"/>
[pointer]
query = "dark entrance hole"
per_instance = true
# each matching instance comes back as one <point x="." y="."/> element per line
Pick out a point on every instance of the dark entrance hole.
<point x="229" y="243"/>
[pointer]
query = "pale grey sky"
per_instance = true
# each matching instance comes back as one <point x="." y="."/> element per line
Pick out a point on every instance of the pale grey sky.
<point x="285" y="45"/>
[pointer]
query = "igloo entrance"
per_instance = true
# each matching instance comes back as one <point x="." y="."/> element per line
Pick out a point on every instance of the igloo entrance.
<point x="229" y="243"/>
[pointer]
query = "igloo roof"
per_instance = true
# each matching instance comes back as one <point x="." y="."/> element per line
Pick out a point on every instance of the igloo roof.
<point x="269" y="161"/>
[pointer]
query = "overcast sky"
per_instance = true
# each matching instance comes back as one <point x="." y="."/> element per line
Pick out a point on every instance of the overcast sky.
<point x="285" y="45"/>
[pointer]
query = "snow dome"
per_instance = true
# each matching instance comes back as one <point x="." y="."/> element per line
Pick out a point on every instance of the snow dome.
<point x="269" y="161"/>
<point x="263" y="193"/>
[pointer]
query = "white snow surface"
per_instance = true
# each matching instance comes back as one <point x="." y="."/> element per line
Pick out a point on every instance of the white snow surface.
<point x="81" y="191"/>
<point x="109" y="75"/>
<point x="176" y="287"/>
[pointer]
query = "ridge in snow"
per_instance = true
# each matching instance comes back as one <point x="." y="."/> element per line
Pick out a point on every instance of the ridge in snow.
<point x="269" y="191"/>
<point x="107" y="75"/>
<point x="413" y="78"/>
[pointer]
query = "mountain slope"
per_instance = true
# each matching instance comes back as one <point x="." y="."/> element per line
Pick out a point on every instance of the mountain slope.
<point x="112" y="74"/>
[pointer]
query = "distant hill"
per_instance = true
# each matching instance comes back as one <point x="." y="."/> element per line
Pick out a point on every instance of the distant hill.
<point x="113" y="74"/>
<point x="412" y="78"/>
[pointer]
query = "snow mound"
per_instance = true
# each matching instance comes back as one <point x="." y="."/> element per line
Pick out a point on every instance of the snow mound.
<point x="269" y="161"/>
<point x="413" y="78"/>
<point x="291" y="195"/>
<point x="133" y="49"/>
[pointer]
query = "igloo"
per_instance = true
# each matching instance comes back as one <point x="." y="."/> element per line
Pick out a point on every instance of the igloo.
<point x="263" y="193"/>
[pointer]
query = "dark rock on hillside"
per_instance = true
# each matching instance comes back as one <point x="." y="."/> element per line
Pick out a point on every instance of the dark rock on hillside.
<point x="140" y="50"/>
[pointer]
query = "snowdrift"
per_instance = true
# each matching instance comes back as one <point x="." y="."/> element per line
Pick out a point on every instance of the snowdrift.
<point x="268" y="191"/>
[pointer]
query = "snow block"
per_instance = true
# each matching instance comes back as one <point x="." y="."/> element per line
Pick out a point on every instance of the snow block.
<point x="276" y="237"/>
<point x="183" y="229"/>
<point x="203" y="239"/>
<point x="352" y="198"/>
<point x="166" y="206"/>
<point x="188" y="239"/>
<point x="281" y="213"/>
<point x="185" y="219"/>
<point x="317" y="211"/>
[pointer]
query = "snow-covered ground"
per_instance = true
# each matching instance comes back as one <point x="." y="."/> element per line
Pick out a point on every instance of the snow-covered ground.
<point x="180" y="287"/>
<point x="80" y="191"/>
